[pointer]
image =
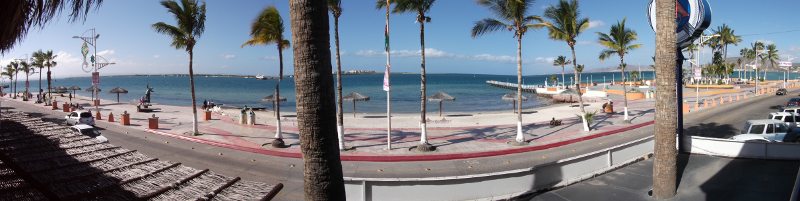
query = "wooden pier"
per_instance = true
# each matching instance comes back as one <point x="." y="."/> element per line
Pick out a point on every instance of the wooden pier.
<point x="506" y="85"/>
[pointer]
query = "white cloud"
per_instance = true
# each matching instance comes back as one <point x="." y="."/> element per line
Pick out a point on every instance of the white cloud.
<point x="595" y="23"/>
<point x="585" y="42"/>
<point x="269" y="58"/>
<point x="105" y="53"/>
<point x="66" y="59"/>
<point x="766" y="42"/>
<point x="429" y="53"/>
<point x="229" y="56"/>
<point x="545" y="60"/>
<point x="156" y="56"/>
<point x="495" y="58"/>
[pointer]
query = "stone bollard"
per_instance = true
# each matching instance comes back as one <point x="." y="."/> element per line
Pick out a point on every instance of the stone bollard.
<point x="685" y="108"/>
<point x="152" y="122"/>
<point x="696" y="106"/>
<point x="55" y="105"/>
<point x="126" y="118"/>
<point x="737" y="97"/>
<point x="98" y="116"/>
<point x="713" y="102"/>
<point x="705" y="103"/>
<point x="730" y="98"/>
<point x="65" y="107"/>
<point x="207" y="116"/>
<point x="110" y="117"/>
<point x="721" y="100"/>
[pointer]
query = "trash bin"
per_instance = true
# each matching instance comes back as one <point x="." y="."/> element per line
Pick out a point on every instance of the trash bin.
<point x="126" y="118"/>
<point x="251" y="120"/>
<point x="55" y="105"/>
<point x="207" y="115"/>
<point x="152" y="122"/>
<point x="65" y="107"/>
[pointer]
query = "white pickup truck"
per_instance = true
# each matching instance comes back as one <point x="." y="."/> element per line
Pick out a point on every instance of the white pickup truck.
<point x="766" y="130"/>
<point x="790" y="119"/>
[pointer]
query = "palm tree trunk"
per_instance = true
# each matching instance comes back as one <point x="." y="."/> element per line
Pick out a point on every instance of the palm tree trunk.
<point x="664" y="166"/>
<point x="624" y="88"/>
<point x="339" y="114"/>
<point x="191" y="86"/>
<point x="16" y="79"/>
<point x="40" y="83"/>
<point x="563" y="78"/>
<point x="520" y="138"/>
<point x="278" y="131"/>
<point x="423" y="139"/>
<point x="49" y="95"/>
<point x="322" y="168"/>
<point x="27" y="85"/>
<point x="578" y="89"/>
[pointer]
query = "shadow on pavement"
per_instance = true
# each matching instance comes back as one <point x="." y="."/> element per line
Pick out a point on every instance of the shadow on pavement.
<point x="712" y="130"/>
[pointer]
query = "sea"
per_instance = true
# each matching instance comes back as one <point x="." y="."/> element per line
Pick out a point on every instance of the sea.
<point x="471" y="92"/>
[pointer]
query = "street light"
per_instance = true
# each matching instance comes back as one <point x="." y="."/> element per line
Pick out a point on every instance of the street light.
<point x="92" y="40"/>
<point x="703" y="39"/>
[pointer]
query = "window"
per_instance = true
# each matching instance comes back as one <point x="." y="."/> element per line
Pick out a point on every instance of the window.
<point x="73" y="114"/>
<point x="781" y="128"/>
<point x="86" y="114"/>
<point x="776" y="117"/>
<point x="789" y="119"/>
<point x="770" y="128"/>
<point x="756" y="129"/>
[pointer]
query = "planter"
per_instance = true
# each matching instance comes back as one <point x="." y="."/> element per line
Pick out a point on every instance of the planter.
<point x="152" y="122"/>
<point x="207" y="116"/>
<point x="635" y="95"/>
<point x="126" y="119"/>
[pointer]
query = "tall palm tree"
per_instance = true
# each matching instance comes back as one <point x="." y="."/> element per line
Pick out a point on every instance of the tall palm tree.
<point x="565" y="24"/>
<point x="47" y="59"/>
<point x="727" y="36"/>
<point x="191" y="18"/>
<point x="21" y="15"/>
<point x="9" y="71"/>
<point x="666" y="118"/>
<point x="28" y="69"/>
<point x="39" y="63"/>
<point x="335" y="7"/>
<point x="561" y="61"/>
<point x="618" y="41"/>
<point x="267" y="29"/>
<point x="421" y="8"/>
<point x="513" y="16"/>
<point x="15" y="66"/>
<point x="322" y="168"/>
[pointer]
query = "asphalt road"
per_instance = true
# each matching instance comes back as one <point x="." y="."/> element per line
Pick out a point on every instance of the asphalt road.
<point x="727" y="120"/>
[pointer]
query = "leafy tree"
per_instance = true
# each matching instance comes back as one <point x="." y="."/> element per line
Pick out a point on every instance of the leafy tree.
<point x="619" y="41"/>
<point x="562" y="61"/>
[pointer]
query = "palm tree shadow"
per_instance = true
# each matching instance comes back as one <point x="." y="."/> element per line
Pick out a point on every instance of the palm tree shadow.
<point x="712" y="130"/>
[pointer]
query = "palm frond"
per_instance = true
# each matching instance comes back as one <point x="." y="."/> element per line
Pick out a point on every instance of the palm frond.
<point x="488" y="25"/>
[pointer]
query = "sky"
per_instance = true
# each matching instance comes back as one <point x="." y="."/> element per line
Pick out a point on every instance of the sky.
<point x="126" y="38"/>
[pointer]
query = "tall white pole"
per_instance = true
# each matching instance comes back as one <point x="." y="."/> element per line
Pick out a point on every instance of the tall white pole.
<point x="387" y="85"/>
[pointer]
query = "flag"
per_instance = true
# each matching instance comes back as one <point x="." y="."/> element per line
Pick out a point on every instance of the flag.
<point x="386" y="84"/>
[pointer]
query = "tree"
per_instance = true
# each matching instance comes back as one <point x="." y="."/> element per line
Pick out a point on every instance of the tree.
<point x="618" y="42"/>
<point x="565" y="25"/>
<point x="335" y="7"/>
<point x="562" y="61"/>
<point x="267" y="29"/>
<point x="21" y="15"/>
<point x="191" y="18"/>
<point x="513" y="17"/>
<point x="39" y="63"/>
<point x="421" y="8"/>
<point x="664" y="165"/>
<point x="322" y="169"/>
<point x="46" y="59"/>
<point x="8" y="71"/>
<point x="29" y="70"/>
<point x="757" y="47"/>
<point x="15" y="66"/>
<point x="727" y="36"/>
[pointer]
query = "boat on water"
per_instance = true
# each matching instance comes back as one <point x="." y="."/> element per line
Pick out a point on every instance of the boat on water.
<point x="260" y="77"/>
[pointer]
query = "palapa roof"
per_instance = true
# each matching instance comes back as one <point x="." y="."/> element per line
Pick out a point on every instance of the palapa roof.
<point x="92" y="88"/>
<point x="74" y="88"/>
<point x="513" y="97"/>
<point x="118" y="90"/>
<point x="441" y="96"/>
<point x="271" y="98"/>
<point x="355" y="96"/>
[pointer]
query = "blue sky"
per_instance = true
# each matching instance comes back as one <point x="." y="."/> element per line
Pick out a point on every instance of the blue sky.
<point x="127" y="39"/>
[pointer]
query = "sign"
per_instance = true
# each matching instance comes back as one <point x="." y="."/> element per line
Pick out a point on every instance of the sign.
<point x="95" y="78"/>
<point x="692" y="17"/>
<point x="698" y="73"/>
<point x="785" y="64"/>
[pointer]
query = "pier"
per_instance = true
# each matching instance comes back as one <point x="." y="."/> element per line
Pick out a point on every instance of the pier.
<point x="507" y="85"/>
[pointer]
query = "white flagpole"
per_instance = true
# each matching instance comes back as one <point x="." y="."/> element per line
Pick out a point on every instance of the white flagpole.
<point x="387" y="84"/>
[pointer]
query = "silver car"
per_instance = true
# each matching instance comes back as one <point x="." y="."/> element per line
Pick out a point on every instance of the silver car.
<point x="88" y="131"/>
<point x="79" y="117"/>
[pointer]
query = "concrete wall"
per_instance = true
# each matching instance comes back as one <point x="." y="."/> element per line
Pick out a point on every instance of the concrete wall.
<point x="737" y="149"/>
<point x="499" y="185"/>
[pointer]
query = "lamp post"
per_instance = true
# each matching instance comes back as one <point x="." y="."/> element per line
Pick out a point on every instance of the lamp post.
<point x="703" y="39"/>
<point x="96" y="65"/>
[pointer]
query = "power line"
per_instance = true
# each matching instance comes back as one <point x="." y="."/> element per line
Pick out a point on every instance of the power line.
<point x="769" y="33"/>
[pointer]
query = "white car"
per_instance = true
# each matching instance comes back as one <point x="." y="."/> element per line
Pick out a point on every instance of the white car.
<point x="790" y="119"/>
<point x="763" y="130"/>
<point x="80" y="117"/>
<point x="794" y="109"/>
<point x="88" y="131"/>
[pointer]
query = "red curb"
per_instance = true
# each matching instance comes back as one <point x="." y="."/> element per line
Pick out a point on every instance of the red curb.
<point x="405" y="158"/>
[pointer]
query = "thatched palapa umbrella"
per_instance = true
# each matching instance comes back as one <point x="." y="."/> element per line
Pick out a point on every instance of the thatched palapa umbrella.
<point x="118" y="90"/>
<point x="91" y="89"/>
<point x="271" y="98"/>
<point x="73" y="88"/>
<point x="441" y="97"/>
<point x="355" y="96"/>
<point x="60" y="89"/>
<point x="513" y="98"/>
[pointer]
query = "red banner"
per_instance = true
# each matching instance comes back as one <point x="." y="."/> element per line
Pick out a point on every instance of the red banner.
<point x="95" y="78"/>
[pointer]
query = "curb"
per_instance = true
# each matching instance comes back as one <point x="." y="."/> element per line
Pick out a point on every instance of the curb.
<point x="404" y="158"/>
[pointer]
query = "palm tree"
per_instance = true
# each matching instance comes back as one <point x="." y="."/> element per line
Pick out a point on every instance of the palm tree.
<point x="21" y="15"/>
<point x="561" y="61"/>
<point x="191" y="18"/>
<point x="618" y="42"/>
<point x="39" y="63"/>
<point x="421" y="8"/>
<point x="267" y="29"/>
<point x="513" y="17"/>
<point x="29" y="70"/>
<point x="666" y="117"/>
<point x="565" y="25"/>
<point x="692" y="48"/>
<point x="322" y="173"/>
<point x="335" y="7"/>
<point x="15" y="66"/>
<point x="46" y="59"/>
<point x="9" y="71"/>
<point x="726" y="37"/>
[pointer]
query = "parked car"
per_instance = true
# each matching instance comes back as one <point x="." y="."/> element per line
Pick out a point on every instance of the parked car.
<point x="80" y="117"/>
<point x="88" y="131"/>
<point x="793" y="102"/>
<point x="795" y="109"/>
<point x="781" y="92"/>
<point x="790" y="119"/>
<point x="765" y="130"/>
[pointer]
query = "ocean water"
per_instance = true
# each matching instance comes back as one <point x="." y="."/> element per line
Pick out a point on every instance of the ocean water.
<point x="471" y="91"/>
